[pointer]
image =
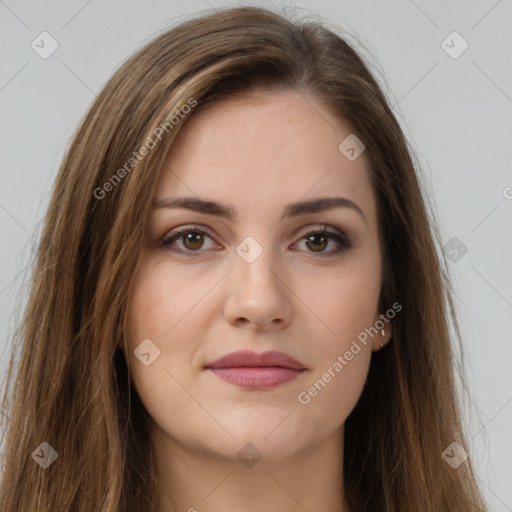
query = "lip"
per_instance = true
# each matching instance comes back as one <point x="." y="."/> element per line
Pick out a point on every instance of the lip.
<point x="253" y="370"/>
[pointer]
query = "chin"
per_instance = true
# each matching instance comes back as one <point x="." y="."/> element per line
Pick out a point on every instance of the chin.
<point x="266" y="436"/>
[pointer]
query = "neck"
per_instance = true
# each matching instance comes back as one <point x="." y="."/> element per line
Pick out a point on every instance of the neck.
<point x="190" y="481"/>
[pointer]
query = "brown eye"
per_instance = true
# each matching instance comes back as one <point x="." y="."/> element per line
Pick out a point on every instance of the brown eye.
<point x="317" y="242"/>
<point x="193" y="240"/>
<point x="189" y="241"/>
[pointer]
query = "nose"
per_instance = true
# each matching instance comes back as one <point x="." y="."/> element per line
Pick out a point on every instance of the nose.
<point x="258" y="294"/>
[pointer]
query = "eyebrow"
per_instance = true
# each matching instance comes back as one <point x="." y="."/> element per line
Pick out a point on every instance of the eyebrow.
<point x="292" y="210"/>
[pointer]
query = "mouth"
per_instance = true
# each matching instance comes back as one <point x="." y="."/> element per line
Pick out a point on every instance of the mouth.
<point x="253" y="370"/>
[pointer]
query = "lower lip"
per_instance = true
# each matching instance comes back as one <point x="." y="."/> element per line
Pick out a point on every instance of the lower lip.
<point x="263" y="377"/>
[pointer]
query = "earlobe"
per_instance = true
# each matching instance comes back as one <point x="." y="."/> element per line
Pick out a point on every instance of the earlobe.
<point x="383" y="337"/>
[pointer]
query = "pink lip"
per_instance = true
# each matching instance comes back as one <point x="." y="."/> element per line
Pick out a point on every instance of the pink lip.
<point x="253" y="370"/>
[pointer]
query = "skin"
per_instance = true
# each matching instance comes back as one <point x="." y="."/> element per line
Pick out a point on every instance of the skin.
<point x="257" y="154"/>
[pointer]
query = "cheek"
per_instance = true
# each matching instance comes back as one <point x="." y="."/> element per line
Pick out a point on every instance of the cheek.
<point x="337" y="379"/>
<point x="345" y="303"/>
<point x="348" y="307"/>
<point x="156" y="311"/>
<point x="331" y="393"/>
<point x="161" y="300"/>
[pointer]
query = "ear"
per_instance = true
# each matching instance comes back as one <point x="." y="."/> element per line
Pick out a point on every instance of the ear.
<point x="382" y="337"/>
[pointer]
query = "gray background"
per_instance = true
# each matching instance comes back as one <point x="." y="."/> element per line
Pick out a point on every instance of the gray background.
<point x="456" y="113"/>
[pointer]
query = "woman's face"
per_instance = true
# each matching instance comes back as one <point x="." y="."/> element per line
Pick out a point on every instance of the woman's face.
<point x="244" y="275"/>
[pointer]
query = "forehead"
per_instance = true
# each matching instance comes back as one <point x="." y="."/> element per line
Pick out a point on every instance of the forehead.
<point x="271" y="146"/>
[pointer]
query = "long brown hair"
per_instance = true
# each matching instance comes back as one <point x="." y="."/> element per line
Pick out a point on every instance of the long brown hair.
<point x="71" y="386"/>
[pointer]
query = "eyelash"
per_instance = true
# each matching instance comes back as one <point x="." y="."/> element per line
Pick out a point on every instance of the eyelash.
<point x="178" y="233"/>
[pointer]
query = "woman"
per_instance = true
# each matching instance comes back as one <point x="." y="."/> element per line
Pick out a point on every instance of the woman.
<point x="237" y="302"/>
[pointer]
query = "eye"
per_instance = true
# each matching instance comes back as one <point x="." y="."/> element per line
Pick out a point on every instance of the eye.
<point x="317" y="240"/>
<point x="192" y="240"/>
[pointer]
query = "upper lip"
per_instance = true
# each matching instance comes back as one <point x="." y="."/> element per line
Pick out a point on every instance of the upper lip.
<point x="256" y="359"/>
